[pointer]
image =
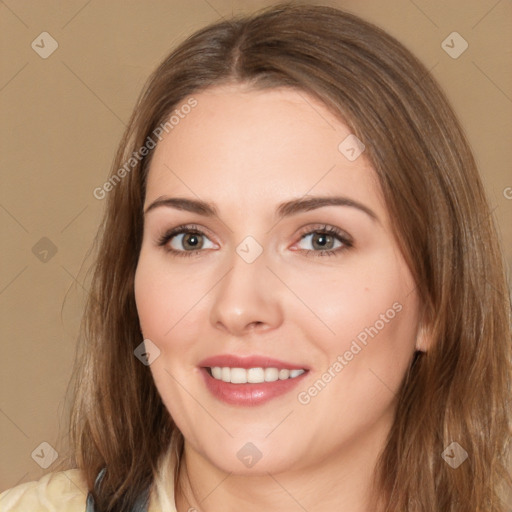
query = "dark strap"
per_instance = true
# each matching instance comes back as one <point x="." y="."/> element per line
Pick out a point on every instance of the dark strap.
<point x="91" y="506"/>
<point x="140" y="505"/>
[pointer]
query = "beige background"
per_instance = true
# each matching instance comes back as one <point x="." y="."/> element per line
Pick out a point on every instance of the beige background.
<point x="62" y="118"/>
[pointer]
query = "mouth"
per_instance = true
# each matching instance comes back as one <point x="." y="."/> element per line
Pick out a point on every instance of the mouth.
<point x="249" y="381"/>
<point x="252" y="375"/>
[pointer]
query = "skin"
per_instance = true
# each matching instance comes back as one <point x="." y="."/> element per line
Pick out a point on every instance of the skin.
<point x="247" y="151"/>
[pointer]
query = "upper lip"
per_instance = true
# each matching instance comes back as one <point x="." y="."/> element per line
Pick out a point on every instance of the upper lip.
<point x="254" y="361"/>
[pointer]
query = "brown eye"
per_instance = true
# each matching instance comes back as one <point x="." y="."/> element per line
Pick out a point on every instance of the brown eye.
<point x="191" y="241"/>
<point x="327" y="240"/>
<point x="323" y="241"/>
<point x="185" y="241"/>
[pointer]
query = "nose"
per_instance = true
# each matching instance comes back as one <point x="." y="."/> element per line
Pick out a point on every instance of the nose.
<point x="247" y="298"/>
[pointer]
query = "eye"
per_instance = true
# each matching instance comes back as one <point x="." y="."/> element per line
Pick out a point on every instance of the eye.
<point x="326" y="241"/>
<point x="185" y="241"/>
<point x="190" y="240"/>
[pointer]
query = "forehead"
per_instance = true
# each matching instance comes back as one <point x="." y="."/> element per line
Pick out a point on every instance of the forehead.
<point x="250" y="146"/>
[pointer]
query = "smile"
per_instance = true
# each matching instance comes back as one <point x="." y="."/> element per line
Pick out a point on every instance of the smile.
<point x="252" y="375"/>
<point x="250" y="380"/>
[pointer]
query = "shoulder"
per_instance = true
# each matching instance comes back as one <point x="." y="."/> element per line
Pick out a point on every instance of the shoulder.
<point x="63" y="491"/>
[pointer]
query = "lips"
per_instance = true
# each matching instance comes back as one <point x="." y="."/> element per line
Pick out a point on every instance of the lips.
<point x="280" y="377"/>
<point x="234" y="361"/>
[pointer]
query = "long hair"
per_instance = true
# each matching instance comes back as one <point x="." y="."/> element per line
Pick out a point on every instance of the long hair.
<point x="457" y="391"/>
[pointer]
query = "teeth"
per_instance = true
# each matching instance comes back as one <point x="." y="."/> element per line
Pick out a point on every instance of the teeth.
<point x="284" y="374"/>
<point x="217" y="372"/>
<point x="238" y="375"/>
<point x="255" y="375"/>
<point x="252" y="375"/>
<point x="271" y="374"/>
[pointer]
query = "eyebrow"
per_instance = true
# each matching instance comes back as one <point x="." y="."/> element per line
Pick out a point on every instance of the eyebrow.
<point x="285" y="209"/>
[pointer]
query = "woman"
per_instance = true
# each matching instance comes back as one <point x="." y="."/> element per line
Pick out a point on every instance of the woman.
<point x="299" y="301"/>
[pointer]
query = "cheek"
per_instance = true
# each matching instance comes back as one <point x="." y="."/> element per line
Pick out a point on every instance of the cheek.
<point x="365" y="318"/>
<point x="168" y="302"/>
<point x="164" y="296"/>
<point x="151" y="298"/>
<point x="362" y="292"/>
<point x="371" y="314"/>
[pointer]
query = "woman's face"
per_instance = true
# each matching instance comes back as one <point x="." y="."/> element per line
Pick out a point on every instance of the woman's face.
<point x="291" y="266"/>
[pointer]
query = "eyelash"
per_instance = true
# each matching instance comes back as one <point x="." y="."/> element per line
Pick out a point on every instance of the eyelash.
<point x="324" y="230"/>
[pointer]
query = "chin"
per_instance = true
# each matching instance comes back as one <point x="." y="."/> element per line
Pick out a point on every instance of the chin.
<point x="251" y="458"/>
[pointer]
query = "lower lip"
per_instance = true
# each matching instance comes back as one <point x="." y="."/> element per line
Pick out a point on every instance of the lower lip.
<point x="248" y="395"/>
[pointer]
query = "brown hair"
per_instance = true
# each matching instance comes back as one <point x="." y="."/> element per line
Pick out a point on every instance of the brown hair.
<point x="456" y="391"/>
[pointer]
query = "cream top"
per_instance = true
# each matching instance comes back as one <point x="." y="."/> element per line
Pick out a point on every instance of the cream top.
<point x="63" y="491"/>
